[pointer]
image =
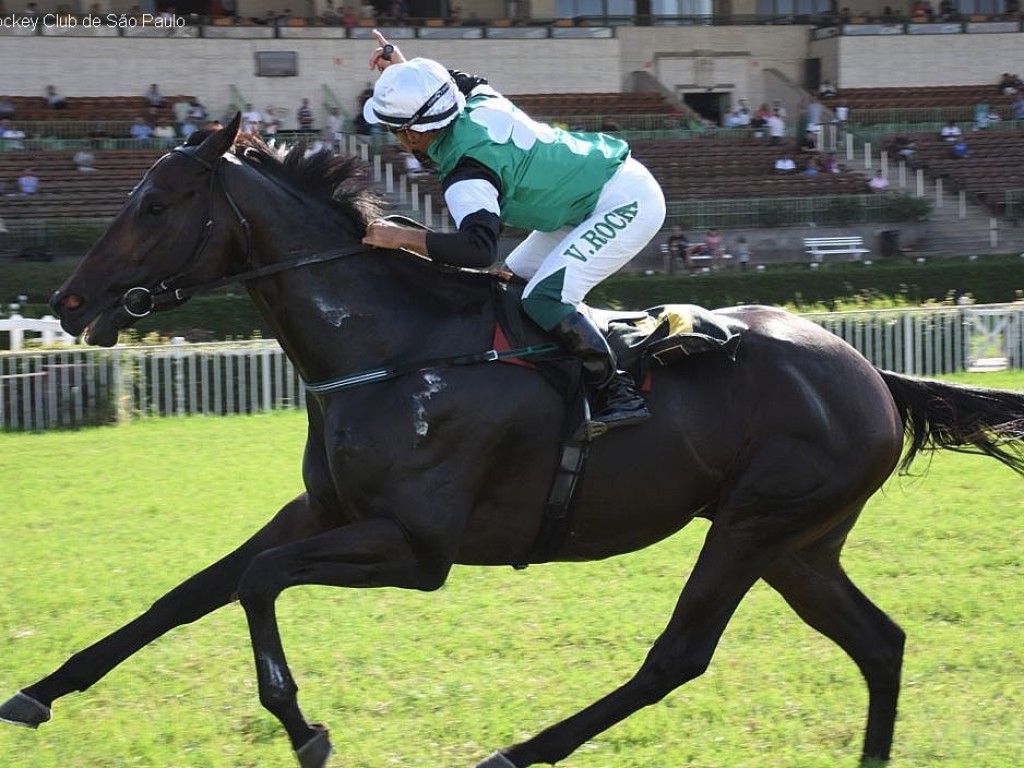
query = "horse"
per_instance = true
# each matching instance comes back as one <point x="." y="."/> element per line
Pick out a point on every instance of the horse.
<point x="412" y="465"/>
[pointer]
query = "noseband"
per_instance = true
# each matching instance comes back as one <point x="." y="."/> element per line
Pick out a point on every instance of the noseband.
<point x="140" y="301"/>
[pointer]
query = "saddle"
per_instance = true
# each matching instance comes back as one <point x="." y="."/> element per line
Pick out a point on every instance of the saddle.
<point x="662" y="335"/>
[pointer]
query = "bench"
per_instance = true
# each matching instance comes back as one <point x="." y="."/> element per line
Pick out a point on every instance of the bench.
<point x="820" y="247"/>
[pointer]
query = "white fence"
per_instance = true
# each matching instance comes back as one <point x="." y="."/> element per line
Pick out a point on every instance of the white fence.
<point x="47" y="327"/>
<point x="75" y="386"/>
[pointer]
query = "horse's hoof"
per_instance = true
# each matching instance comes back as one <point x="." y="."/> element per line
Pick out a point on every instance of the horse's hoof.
<point x="497" y="760"/>
<point x="315" y="752"/>
<point x="22" y="709"/>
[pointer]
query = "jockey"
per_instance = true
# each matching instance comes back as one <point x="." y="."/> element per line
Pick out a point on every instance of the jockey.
<point x="589" y="205"/>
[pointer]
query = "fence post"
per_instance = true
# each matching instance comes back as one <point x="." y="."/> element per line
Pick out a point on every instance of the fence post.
<point x="963" y="204"/>
<point x="920" y="183"/>
<point x="178" y="342"/>
<point x="849" y="147"/>
<point x="938" y="192"/>
<point x="993" y="232"/>
<point x="17" y="334"/>
<point x="867" y="155"/>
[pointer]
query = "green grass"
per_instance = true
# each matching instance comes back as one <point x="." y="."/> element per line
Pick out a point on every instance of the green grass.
<point x="96" y="524"/>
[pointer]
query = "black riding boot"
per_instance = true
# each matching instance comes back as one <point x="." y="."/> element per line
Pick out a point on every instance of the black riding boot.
<point x="620" y="404"/>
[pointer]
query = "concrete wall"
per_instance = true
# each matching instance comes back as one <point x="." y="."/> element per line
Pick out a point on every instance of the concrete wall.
<point x="921" y="60"/>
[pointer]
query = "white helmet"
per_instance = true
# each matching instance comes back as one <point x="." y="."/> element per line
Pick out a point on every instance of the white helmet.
<point x="417" y="95"/>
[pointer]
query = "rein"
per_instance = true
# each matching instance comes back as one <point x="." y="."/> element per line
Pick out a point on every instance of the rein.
<point x="140" y="300"/>
<point x="387" y="374"/>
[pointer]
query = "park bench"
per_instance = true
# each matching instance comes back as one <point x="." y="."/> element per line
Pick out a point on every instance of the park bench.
<point x="820" y="247"/>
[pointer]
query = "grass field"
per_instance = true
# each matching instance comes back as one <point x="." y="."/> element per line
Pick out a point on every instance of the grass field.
<point x="96" y="524"/>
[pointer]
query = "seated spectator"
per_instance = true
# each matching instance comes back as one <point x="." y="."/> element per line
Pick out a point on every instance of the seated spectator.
<point x="6" y="109"/>
<point x="785" y="164"/>
<point x="141" y="130"/>
<point x="54" y="100"/>
<point x="1009" y="84"/>
<point x="830" y="164"/>
<point x="809" y="143"/>
<point x="959" y="148"/>
<point x="950" y="131"/>
<point x="84" y="161"/>
<point x="813" y="167"/>
<point x="187" y="128"/>
<point x="879" y="183"/>
<point x="28" y="182"/>
<point x="153" y="96"/>
<point x="165" y="133"/>
<point x="905" y="148"/>
<point x="11" y="137"/>
<point x="1018" y="108"/>
<point x="197" y="111"/>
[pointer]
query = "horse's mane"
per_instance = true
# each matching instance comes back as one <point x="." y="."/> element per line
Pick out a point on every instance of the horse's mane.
<point x="341" y="181"/>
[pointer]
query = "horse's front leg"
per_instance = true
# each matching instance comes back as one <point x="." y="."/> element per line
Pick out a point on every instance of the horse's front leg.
<point x="378" y="552"/>
<point x="191" y="600"/>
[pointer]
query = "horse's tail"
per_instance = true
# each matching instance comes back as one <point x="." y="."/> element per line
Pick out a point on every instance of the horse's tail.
<point x="959" y="418"/>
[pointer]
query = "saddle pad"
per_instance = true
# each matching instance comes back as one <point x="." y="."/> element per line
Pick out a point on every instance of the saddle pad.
<point x="669" y="332"/>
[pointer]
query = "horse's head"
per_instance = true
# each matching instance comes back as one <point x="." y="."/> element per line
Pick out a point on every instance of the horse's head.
<point x="175" y="215"/>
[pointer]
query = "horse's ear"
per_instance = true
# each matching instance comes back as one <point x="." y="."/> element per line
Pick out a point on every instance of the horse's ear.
<point x="217" y="144"/>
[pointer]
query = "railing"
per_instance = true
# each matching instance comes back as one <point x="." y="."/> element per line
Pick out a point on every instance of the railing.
<point x="33" y="239"/>
<point x="77" y="386"/>
<point x="737" y="213"/>
<point x="48" y="328"/>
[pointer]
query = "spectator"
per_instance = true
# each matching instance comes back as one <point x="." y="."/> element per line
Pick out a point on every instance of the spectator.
<point x="841" y="113"/>
<point x="6" y="109"/>
<point x="879" y="183"/>
<point x="813" y="111"/>
<point x="785" y="164"/>
<point x="252" y="120"/>
<point x="85" y="161"/>
<point x="1009" y="84"/>
<point x="950" y="131"/>
<point x="165" y="133"/>
<point x="827" y="90"/>
<point x="1018" y="108"/>
<point x="759" y="121"/>
<point x="809" y="143"/>
<point x="53" y="99"/>
<point x="197" y="111"/>
<point x="141" y="130"/>
<point x="676" y="247"/>
<point x="306" y="118"/>
<point x="335" y="122"/>
<point x="905" y="148"/>
<point x="776" y="127"/>
<point x="830" y="164"/>
<point x="11" y="136"/>
<point x="28" y="182"/>
<point x="153" y="96"/>
<point x="742" y="253"/>
<point x="187" y="128"/>
<point x="180" y="109"/>
<point x="813" y="167"/>
<point x="959" y="148"/>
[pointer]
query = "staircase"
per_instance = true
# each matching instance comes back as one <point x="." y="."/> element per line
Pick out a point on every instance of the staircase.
<point x="956" y="226"/>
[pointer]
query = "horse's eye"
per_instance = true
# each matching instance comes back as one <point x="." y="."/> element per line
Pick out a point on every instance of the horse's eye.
<point x="155" y="208"/>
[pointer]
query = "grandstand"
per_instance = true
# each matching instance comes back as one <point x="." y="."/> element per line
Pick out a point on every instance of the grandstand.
<point x="660" y="85"/>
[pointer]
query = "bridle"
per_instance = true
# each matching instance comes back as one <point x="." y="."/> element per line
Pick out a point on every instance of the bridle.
<point x="140" y="300"/>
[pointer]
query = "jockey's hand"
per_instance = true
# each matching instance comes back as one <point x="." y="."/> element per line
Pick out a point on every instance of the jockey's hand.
<point x="381" y="233"/>
<point x="377" y="60"/>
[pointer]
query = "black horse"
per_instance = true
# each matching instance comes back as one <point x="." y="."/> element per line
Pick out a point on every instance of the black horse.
<point x="425" y="466"/>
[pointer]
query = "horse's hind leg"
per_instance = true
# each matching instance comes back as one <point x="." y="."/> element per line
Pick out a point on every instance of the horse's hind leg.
<point x="730" y="562"/>
<point x="191" y="600"/>
<point x="813" y="582"/>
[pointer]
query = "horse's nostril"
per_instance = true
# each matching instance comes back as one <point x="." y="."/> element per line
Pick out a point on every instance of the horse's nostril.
<point x="71" y="301"/>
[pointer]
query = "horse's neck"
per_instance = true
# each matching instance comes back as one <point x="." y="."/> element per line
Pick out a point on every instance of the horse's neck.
<point x="373" y="309"/>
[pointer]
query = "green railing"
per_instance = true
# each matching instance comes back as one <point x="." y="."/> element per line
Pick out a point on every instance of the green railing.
<point x="831" y="210"/>
<point x="44" y="238"/>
